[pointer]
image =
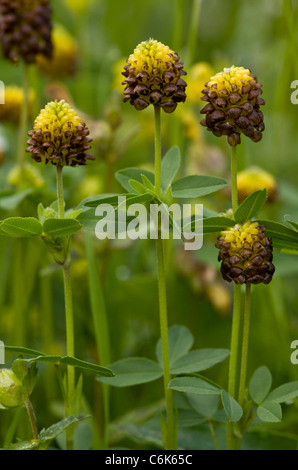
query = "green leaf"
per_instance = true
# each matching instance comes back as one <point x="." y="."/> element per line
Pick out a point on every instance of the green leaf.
<point x="40" y="213"/>
<point x="169" y="167"/>
<point x="231" y="406"/>
<point x="147" y="183"/>
<point x="260" y="384"/>
<point x="279" y="231"/>
<point x="292" y="222"/>
<point x="11" y="201"/>
<point x="124" y="176"/>
<point x="199" y="360"/>
<point x="111" y="199"/>
<point x="22" y="227"/>
<point x="194" y="385"/>
<point x="248" y="209"/>
<point x="283" y="393"/>
<point x="61" y="227"/>
<point x="213" y="224"/>
<point x="270" y="412"/>
<point x="133" y="371"/>
<point x="46" y="436"/>
<point x="173" y="224"/>
<point x="73" y="214"/>
<point x="196" y="186"/>
<point x="89" y="220"/>
<point x="138" y="199"/>
<point x="180" y="341"/>
<point x="137" y="186"/>
<point x="72" y="361"/>
<point x="205" y="405"/>
<point x="23" y="351"/>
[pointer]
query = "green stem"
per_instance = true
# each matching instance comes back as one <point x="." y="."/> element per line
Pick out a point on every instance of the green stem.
<point x="23" y="119"/>
<point x="60" y="195"/>
<point x="70" y="348"/>
<point x="236" y="311"/>
<point x="213" y="434"/>
<point x="234" y="179"/>
<point x="234" y="356"/>
<point x="157" y="150"/>
<point x="170" y="438"/>
<point x="69" y="327"/>
<point x="68" y="314"/>
<point x="32" y="418"/>
<point x="245" y="338"/>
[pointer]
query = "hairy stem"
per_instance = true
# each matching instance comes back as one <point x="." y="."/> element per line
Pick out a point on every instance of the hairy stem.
<point x="32" y="418"/>
<point x="60" y="195"/>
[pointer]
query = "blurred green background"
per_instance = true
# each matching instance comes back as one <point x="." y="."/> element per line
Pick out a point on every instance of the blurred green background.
<point x="259" y="35"/>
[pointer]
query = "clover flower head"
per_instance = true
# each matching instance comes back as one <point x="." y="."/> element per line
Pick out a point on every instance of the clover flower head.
<point x="233" y="105"/>
<point x="59" y="136"/>
<point x="246" y="254"/>
<point x="25" y="29"/>
<point x="153" y="76"/>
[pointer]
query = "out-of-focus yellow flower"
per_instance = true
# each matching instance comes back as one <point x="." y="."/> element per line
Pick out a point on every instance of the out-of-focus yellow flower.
<point x="28" y="175"/>
<point x="79" y="6"/>
<point x="10" y="112"/>
<point x="65" y="54"/>
<point x="253" y="179"/>
<point x="89" y="186"/>
<point x="197" y="76"/>
<point x="220" y="297"/>
<point x="190" y="123"/>
<point x="117" y="70"/>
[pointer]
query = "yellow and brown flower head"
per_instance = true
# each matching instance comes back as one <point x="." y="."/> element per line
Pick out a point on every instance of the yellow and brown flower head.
<point x="25" y="29"/>
<point x="10" y="111"/>
<point x="64" y="59"/>
<point x="253" y="179"/>
<point x="153" y="76"/>
<point x="59" y="136"/>
<point x="233" y="107"/>
<point x="246" y="254"/>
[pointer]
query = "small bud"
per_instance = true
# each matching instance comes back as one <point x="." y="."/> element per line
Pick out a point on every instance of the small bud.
<point x="10" y="389"/>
